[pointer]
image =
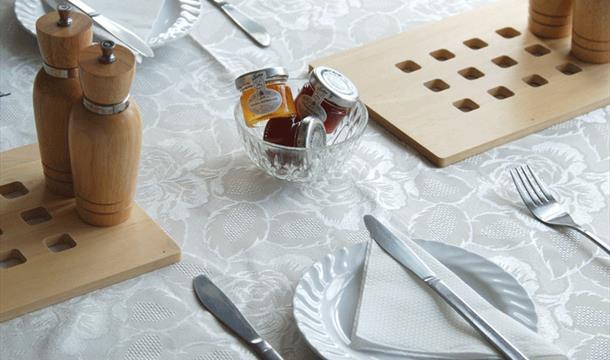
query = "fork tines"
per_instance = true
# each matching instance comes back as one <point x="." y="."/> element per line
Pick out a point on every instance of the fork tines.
<point x="531" y="189"/>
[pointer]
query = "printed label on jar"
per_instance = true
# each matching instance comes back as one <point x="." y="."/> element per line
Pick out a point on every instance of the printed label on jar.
<point x="264" y="101"/>
<point x="308" y="106"/>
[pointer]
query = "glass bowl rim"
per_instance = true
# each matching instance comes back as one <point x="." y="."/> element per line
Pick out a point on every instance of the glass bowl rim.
<point x="238" y="116"/>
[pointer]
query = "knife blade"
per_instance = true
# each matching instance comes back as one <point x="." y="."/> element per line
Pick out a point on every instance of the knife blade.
<point x="254" y="30"/>
<point x="217" y="303"/>
<point x="123" y="34"/>
<point x="405" y="256"/>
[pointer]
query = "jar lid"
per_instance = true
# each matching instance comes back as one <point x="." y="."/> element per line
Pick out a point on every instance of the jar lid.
<point x="342" y="90"/>
<point x="270" y="73"/>
<point x="310" y="133"/>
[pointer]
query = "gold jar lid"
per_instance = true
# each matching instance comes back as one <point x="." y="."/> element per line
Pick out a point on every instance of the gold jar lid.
<point x="266" y="74"/>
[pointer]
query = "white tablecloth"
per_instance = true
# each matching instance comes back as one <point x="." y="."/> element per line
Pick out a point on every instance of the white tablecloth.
<point x="255" y="236"/>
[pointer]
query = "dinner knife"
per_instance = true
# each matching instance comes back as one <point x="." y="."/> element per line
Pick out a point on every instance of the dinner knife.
<point x="253" y="29"/>
<point x="126" y="36"/>
<point x="406" y="257"/>
<point x="217" y="303"/>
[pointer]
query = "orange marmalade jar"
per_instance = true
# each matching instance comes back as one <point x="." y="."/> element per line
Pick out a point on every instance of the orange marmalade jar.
<point x="265" y="95"/>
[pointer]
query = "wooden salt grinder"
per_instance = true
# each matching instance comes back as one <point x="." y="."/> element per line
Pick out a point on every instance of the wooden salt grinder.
<point x="550" y="19"/>
<point x="591" y="31"/>
<point x="105" y="135"/>
<point x="61" y="35"/>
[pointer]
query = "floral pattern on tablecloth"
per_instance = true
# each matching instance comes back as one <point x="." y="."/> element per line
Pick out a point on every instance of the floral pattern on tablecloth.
<point x="255" y="235"/>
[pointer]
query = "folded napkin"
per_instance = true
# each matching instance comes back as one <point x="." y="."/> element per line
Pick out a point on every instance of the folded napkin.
<point x="137" y="15"/>
<point x="400" y="314"/>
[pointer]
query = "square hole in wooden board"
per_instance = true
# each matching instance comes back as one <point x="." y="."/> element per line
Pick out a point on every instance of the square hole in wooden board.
<point x="500" y="92"/>
<point x="466" y="105"/>
<point x="537" y="50"/>
<point x="535" y="80"/>
<point x="442" y="54"/>
<point x="475" y="43"/>
<point x="59" y="243"/>
<point x="11" y="258"/>
<point x="508" y="32"/>
<point x="408" y="66"/>
<point x="504" y="61"/>
<point x="13" y="190"/>
<point x="471" y="73"/>
<point x="436" y="85"/>
<point x="569" y="69"/>
<point x="36" y="216"/>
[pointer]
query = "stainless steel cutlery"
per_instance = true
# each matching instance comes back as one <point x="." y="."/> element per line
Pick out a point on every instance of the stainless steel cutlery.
<point x="543" y="205"/>
<point x="217" y="303"/>
<point x="253" y="29"/>
<point x="405" y="256"/>
<point x="124" y="35"/>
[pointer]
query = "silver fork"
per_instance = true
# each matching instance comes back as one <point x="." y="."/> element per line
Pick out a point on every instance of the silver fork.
<point x="543" y="205"/>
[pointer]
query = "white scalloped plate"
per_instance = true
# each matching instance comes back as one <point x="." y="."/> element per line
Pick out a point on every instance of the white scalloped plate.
<point x="326" y="297"/>
<point x="176" y="19"/>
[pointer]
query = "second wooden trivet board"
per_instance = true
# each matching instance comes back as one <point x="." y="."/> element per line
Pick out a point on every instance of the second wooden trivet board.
<point x="47" y="254"/>
<point x="461" y="86"/>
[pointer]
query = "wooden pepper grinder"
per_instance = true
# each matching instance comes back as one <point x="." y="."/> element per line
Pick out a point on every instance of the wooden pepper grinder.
<point x="591" y="31"/>
<point x="105" y="135"/>
<point x="551" y="19"/>
<point x="61" y="36"/>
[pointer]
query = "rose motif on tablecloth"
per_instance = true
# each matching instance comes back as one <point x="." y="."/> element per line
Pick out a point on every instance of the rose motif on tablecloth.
<point x="22" y="74"/>
<point x="597" y="135"/>
<point x="444" y="223"/>
<point x="260" y="293"/>
<point x="146" y="345"/>
<point x="588" y="312"/>
<point x="83" y="321"/>
<point x="598" y="270"/>
<point x="500" y="231"/>
<point x="235" y="228"/>
<point x="437" y="9"/>
<point x="560" y="166"/>
<point x="368" y="180"/>
<point x="164" y="185"/>
<point x="151" y="81"/>
<point x="296" y="230"/>
<point x="565" y="251"/>
<point x="245" y="182"/>
<point x="372" y="27"/>
<point x="595" y="348"/>
<point x="151" y="308"/>
<point x="183" y="118"/>
<point x="439" y="186"/>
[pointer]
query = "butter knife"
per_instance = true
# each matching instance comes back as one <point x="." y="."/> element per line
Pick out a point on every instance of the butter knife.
<point x="126" y="36"/>
<point x="406" y="257"/>
<point x="217" y="303"/>
<point x="253" y="29"/>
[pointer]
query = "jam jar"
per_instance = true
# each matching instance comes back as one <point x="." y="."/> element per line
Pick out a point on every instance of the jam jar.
<point x="306" y="133"/>
<point x="329" y="95"/>
<point x="265" y="95"/>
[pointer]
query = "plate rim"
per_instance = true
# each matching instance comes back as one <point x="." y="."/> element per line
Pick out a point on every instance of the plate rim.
<point x="330" y="260"/>
<point x="190" y="12"/>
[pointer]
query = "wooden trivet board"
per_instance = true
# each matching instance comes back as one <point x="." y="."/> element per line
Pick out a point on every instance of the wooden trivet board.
<point x="458" y="87"/>
<point x="47" y="254"/>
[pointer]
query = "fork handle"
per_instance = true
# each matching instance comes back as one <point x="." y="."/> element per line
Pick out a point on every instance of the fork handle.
<point x="597" y="240"/>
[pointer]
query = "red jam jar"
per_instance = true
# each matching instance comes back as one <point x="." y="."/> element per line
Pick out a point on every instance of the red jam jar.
<point x="306" y="133"/>
<point x="329" y="96"/>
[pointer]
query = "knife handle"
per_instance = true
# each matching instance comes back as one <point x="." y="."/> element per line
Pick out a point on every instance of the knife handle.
<point x="482" y="326"/>
<point x="265" y="351"/>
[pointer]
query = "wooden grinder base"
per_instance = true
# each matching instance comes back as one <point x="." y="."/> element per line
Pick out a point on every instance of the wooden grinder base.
<point x="468" y="83"/>
<point x="49" y="255"/>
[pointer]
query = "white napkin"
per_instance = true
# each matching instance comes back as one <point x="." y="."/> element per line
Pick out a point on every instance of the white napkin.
<point x="399" y="314"/>
<point x="137" y="15"/>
